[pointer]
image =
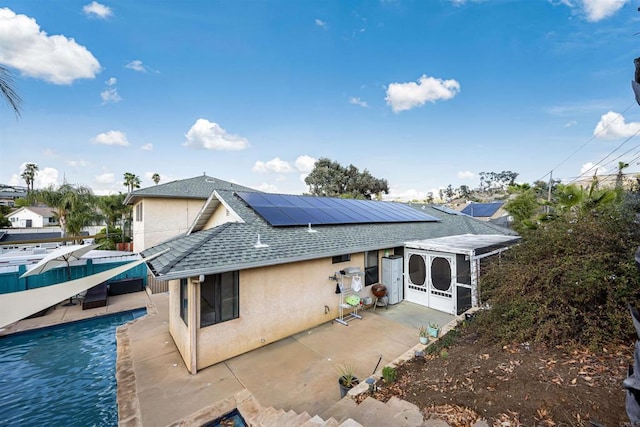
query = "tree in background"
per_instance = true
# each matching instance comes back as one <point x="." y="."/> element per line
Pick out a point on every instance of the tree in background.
<point x="329" y="178"/>
<point x="4" y="221"/>
<point x="29" y="175"/>
<point x="8" y="91"/>
<point x="74" y="206"/>
<point x="155" y="178"/>
<point x="112" y="211"/>
<point x="131" y="181"/>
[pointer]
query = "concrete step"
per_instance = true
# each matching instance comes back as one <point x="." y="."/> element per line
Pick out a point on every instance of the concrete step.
<point x="406" y="413"/>
<point x="331" y="422"/>
<point x="341" y="410"/>
<point x="313" y="422"/>
<point x="373" y="413"/>
<point x="303" y="418"/>
<point x="350" y="423"/>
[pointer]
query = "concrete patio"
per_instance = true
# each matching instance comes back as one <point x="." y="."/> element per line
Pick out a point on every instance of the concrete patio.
<point x="297" y="373"/>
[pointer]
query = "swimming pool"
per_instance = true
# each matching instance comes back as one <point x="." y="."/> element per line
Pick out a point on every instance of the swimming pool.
<point x="62" y="375"/>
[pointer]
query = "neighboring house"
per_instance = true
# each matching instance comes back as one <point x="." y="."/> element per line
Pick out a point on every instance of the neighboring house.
<point x="253" y="268"/>
<point x="29" y="217"/>
<point x="485" y="211"/>
<point x="9" y="194"/>
<point x="167" y="210"/>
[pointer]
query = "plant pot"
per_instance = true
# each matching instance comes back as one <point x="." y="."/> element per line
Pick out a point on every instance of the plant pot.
<point x="343" y="389"/>
<point x="424" y="340"/>
<point x="433" y="332"/>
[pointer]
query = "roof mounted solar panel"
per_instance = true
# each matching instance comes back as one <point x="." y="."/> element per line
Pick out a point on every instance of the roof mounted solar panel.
<point x="290" y="210"/>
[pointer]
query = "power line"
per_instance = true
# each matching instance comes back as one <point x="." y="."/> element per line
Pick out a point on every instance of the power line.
<point x="595" y="135"/>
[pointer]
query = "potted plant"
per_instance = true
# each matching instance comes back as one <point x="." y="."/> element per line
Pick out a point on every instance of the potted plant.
<point x="424" y="335"/>
<point x="434" y="329"/>
<point x="347" y="378"/>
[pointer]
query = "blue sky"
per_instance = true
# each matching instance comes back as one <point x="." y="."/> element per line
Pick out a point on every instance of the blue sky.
<point x="421" y="93"/>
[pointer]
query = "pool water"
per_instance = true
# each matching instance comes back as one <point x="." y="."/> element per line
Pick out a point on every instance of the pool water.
<point x="63" y="375"/>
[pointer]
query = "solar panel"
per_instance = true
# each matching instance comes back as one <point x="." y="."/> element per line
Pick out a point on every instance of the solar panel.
<point x="287" y="210"/>
<point x="482" y="209"/>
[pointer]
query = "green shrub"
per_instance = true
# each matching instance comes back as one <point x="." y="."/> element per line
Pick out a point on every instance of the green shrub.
<point x="568" y="282"/>
<point x="389" y="374"/>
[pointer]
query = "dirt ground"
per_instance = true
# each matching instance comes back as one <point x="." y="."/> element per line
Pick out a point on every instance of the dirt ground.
<point x="514" y="385"/>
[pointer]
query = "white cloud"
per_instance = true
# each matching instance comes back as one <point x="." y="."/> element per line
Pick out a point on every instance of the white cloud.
<point x="136" y="65"/>
<point x="112" y="137"/>
<point x="55" y="59"/>
<point x="321" y="24"/>
<point x="305" y="164"/>
<point x="570" y="123"/>
<point x="147" y="147"/>
<point x="405" y="96"/>
<point x="211" y="136"/>
<point x="110" y="94"/>
<point x="357" y="101"/>
<point x="46" y="177"/>
<point x="77" y="163"/>
<point x="404" y="195"/>
<point x="591" y="168"/>
<point x="97" y="10"/>
<point x="466" y="175"/>
<point x="597" y="10"/>
<point x="612" y="125"/>
<point x="274" y="165"/>
<point x="267" y="188"/>
<point x="105" y="178"/>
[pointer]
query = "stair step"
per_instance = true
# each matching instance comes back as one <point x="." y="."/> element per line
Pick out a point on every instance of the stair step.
<point x="313" y="422"/>
<point x="303" y="418"/>
<point x="350" y="423"/>
<point x="406" y="413"/>
<point x="374" y="413"/>
<point x="340" y="410"/>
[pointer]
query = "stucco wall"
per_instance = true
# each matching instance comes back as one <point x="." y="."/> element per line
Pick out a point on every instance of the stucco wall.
<point x="177" y="328"/>
<point x="163" y="219"/>
<point x="275" y="302"/>
<point x="20" y="219"/>
<point x="220" y="216"/>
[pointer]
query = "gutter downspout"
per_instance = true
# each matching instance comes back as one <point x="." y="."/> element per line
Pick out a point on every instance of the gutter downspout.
<point x="193" y="326"/>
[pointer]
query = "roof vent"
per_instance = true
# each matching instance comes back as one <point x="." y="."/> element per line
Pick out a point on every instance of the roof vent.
<point x="311" y="230"/>
<point x="259" y="244"/>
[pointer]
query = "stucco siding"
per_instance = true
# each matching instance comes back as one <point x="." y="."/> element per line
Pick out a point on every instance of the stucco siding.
<point x="220" y="216"/>
<point x="177" y="328"/>
<point x="275" y="302"/>
<point x="163" y="219"/>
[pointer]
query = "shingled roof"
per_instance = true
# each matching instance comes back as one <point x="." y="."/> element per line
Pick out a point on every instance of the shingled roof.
<point x="199" y="187"/>
<point x="231" y="246"/>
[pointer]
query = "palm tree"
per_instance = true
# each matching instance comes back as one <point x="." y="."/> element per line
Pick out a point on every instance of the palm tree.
<point x="73" y="206"/>
<point x="29" y="175"/>
<point x="8" y="91"/>
<point x="156" y="178"/>
<point x="620" y="175"/>
<point x="131" y="181"/>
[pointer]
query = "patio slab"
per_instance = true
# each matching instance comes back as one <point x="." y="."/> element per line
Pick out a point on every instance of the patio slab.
<point x="296" y="373"/>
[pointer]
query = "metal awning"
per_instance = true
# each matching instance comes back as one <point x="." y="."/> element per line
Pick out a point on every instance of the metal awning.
<point x="473" y="245"/>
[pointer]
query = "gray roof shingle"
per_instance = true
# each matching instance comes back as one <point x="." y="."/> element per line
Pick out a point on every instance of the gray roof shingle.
<point x="199" y="187"/>
<point x="231" y="246"/>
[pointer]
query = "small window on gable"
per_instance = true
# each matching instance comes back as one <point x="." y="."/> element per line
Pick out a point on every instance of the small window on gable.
<point x="139" y="212"/>
<point x="341" y="258"/>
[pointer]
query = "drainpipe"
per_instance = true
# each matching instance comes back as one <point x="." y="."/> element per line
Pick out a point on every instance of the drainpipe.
<point x="193" y="326"/>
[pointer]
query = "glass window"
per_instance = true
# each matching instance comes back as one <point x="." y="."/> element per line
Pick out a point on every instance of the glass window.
<point x="341" y="258"/>
<point x="184" y="301"/>
<point x="219" y="299"/>
<point x="371" y="268"/>
<point x="139" y="212"/>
